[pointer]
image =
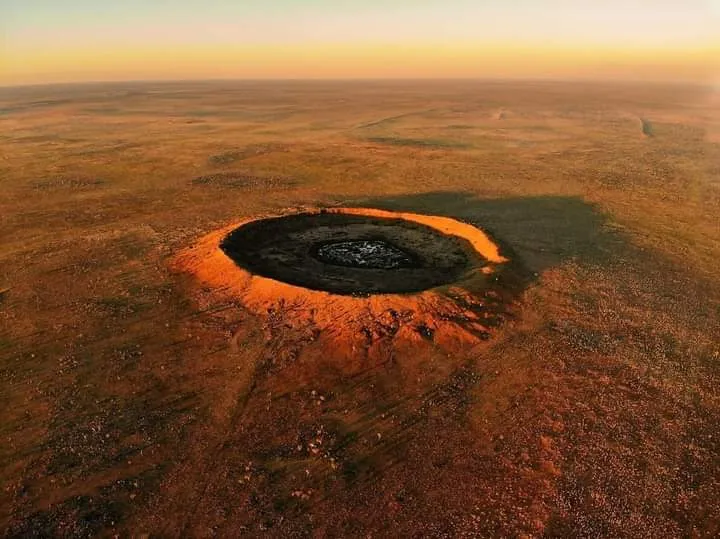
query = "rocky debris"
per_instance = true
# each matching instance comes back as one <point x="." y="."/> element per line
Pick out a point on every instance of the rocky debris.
<point x="376" y="254"/>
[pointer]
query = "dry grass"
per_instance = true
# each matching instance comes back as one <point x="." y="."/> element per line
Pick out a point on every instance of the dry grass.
<point x="132" y="402"/>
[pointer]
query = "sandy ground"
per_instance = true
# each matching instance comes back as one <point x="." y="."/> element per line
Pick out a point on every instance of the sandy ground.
<point x="133" y="401"/>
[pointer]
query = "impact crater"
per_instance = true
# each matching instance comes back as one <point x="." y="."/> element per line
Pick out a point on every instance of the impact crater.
<point x="350" y="253"/>
<point x="359" y="273"/>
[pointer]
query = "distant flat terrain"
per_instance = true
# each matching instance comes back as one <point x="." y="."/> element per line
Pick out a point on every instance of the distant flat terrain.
<point x="133" y="401"/>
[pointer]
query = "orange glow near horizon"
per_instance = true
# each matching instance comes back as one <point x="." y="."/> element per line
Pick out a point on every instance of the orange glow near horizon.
<point x="79" y="40"/>
<point x="359" y="61"/>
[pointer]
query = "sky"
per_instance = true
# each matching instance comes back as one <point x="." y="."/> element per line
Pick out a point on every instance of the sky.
<point x="94" y="40"/>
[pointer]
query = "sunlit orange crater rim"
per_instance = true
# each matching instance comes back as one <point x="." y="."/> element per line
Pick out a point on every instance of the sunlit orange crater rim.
<point x="347" y="269"/>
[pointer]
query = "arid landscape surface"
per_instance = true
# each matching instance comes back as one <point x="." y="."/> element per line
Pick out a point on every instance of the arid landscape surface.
<point x="137" y="401"/>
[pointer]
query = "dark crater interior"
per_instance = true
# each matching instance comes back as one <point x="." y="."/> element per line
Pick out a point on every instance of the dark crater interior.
<point x="350" y="254"/>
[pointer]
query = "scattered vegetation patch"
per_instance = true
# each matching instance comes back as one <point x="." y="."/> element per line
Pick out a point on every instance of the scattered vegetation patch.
<point x="201" y="113"/>
<point x="422" y="143"/>
<point x="22" y="107"/>
<point x="110" y="148"/>
<point x="120" y="306"/>
<point x="102" y="110"/>
<point x="243" y="180"/>
<point x="68" y="182"/>
<point x="247" y="152"/>
<point x="647" y="127"/>
<point x="79" y="516"/>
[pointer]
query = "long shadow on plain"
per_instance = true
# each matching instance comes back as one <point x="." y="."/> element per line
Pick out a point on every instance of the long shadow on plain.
<point x="543" y="231"/>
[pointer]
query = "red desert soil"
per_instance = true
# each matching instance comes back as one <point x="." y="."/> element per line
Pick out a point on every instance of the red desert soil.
<point x="151" y="387"/>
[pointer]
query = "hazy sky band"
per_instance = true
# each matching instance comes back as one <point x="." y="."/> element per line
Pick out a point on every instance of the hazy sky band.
<point x="90" y="40"/>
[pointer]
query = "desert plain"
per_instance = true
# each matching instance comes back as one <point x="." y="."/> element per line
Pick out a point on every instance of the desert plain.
<point x="137" y="400"/>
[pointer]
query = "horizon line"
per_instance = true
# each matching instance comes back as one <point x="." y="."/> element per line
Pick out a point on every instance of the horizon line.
<point x="550" y="79"/>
